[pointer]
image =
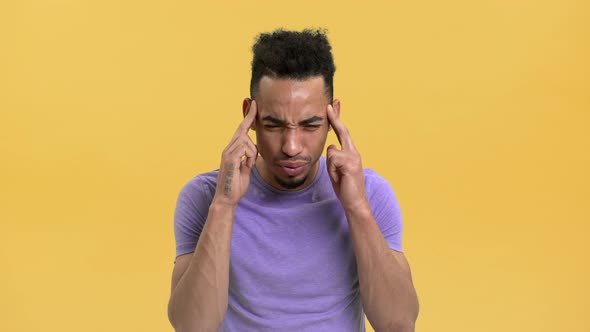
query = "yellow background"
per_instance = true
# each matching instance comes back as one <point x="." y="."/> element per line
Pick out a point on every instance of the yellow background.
<point x="477" y="112"/>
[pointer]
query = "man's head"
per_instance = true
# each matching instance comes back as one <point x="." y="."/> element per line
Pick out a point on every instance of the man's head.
<point x="292" y="75"/>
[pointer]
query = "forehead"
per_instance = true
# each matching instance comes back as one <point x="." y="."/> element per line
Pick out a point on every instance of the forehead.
<point x="289" y="98"/>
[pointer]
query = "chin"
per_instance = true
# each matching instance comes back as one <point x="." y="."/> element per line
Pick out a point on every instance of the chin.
<point x="291" y="183"/>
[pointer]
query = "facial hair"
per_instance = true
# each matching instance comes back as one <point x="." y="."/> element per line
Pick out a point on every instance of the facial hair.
<point x="291" y="184"/>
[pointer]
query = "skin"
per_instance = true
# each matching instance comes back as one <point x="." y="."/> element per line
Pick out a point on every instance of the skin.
<point x="292" y="127"/>
<point x="200" y="280"/>
<point x="387" y="290"/>
<point x="291" y="119"/>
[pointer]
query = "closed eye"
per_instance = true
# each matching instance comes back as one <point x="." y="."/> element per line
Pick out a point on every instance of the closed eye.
<point x="272" y="126"/>
<point x="312" y="127"/>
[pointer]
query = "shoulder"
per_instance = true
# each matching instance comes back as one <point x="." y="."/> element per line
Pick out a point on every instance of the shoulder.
<point x="379" y="191"/>
<point x="191" y="210"/>
<point x="194" y="199"/>
<point x="204" y="181"/>
<point x="385" y="208"/>
<point x="200" y="186"/>
<point x="374" y="181"/>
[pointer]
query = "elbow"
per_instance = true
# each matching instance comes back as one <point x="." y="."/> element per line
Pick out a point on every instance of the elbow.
<point x="396" y="326"/>
<point x="405" y="320"/>
<point x="194" y="321"/>
<point x="406" y="323"/>
<point x="175" y="320"/>
<point x="193" y="326"/>
<point x="173" y="315"/>
<point x="402" y="326"/>
<point x="397" y="323"/>
<point x="172" y="318"/>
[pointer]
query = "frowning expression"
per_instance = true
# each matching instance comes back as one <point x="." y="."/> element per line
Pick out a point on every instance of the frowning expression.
<point x="291" y="130"/>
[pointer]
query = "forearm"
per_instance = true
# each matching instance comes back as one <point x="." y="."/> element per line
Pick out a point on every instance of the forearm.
<point x="387" y="292"/>
<point x="199" y="301"/>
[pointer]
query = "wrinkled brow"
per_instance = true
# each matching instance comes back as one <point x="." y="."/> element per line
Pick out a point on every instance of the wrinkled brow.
<point x="282" y="122"/>
<point x="310" y="120"/>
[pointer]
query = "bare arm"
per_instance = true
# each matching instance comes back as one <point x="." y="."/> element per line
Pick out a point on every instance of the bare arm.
<point x="200" y="281"/>
<point x="387" y="292"/>
<point x="199" y="295"/>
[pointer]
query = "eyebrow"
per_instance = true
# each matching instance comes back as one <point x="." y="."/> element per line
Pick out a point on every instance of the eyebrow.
<point x="302" y="122"/>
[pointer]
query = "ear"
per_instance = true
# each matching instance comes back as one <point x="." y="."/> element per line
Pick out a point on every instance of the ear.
<point x="336" y="106"/>
<point x="246" y="108"/>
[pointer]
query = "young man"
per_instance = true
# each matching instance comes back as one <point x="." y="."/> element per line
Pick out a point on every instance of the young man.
<point x="281" y="238"/>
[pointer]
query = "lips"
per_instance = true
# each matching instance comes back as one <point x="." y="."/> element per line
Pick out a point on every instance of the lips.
<point x="292" y="168"/>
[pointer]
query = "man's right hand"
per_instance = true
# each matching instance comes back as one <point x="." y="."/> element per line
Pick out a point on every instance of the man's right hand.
<point x="237" y="161"/>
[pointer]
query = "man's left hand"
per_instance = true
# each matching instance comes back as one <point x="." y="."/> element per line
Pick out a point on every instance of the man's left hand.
<point x="345" y="167"/>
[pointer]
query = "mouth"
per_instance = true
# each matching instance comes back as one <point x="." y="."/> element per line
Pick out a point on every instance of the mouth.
<point x="292" y="168"/>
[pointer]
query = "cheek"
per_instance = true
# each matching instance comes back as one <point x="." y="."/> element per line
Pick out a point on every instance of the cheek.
<point x="265" y="142"/>
<point x="317" y="140"/>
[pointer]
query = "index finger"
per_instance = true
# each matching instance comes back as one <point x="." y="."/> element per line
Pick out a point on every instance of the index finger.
<point x="340" y="129"/>
<point x="248" y="119"/>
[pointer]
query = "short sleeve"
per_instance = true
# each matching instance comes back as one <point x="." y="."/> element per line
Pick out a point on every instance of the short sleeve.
<point x="192" y="207"/>
<point x="385" y="208"/>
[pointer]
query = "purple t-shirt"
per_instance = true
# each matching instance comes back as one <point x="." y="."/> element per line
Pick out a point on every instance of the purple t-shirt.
<point x="292" y="264"/>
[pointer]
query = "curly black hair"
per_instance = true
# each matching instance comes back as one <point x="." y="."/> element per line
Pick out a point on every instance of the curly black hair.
<point x="293" y="55"/>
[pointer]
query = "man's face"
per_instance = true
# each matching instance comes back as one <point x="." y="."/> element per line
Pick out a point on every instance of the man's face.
<point x="291" y="130"/>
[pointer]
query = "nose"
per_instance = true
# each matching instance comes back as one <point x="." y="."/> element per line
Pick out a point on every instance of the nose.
<point x="291" y="142"/>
